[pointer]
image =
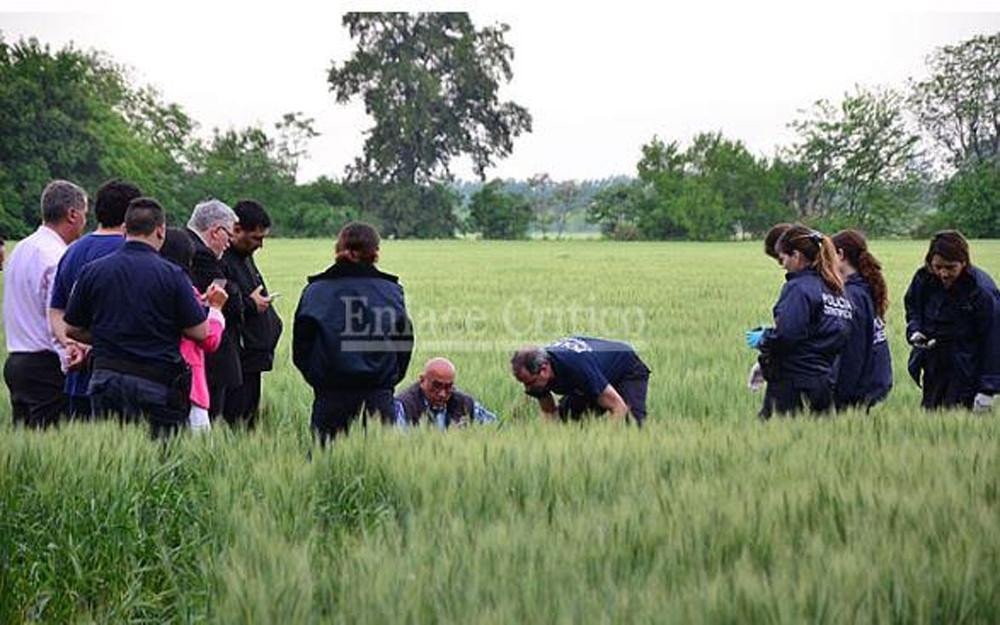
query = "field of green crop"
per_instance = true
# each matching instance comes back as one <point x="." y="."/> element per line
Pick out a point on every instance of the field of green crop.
<point x="706" y="515"/>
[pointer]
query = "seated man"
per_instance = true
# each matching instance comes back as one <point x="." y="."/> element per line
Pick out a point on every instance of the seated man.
<point x="434" y="395"/>
<point x="592" y="375"/>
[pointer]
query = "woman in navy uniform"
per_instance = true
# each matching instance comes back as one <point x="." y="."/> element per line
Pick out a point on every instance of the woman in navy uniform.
<point x="951" y="310"/>
<point x="864" y="372"/>
<point x="810" y="326"/>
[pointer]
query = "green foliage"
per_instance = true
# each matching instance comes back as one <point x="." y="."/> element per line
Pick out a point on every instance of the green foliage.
<point x="858" y="153"/>
<point x="496" y="214"/>
<point x="76" y="115"/>
<point x="715" y="189"/>
<point x="970" y="200"/>
<point x="705" y="515"/>
<point x="959" y="103"/>
<point x="430" y="81"/>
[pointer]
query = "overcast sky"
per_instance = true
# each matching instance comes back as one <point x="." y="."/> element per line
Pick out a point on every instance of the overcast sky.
<point x="599" y="79"/>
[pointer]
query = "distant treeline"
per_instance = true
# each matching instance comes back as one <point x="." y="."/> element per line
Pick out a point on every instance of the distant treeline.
<point x="895" y="162"/>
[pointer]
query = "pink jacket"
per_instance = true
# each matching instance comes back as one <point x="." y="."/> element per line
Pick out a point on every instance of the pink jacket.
<point x="194" y="355"/>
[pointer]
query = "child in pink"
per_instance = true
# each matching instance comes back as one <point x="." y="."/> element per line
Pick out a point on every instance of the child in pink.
<point x="193" y="353"/>
<point x="178" y="248"/>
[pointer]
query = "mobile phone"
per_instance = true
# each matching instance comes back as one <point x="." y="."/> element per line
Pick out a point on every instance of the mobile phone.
<point x="220" y="282"/>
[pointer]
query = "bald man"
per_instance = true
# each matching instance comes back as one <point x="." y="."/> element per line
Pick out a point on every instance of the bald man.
<point x="434" y="397"/>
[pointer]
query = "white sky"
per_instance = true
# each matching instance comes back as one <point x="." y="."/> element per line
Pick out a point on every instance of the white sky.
<point x="600" y="79"/>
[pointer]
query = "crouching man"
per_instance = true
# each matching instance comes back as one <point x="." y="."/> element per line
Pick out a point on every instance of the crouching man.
<point x="592" y="375"/>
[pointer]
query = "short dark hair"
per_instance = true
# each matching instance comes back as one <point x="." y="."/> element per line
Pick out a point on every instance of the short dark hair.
<point x="251" y="215"/>
<point x="949" y="245"/>
<point x="143" y="216"/>
<point x="772" y="236"/>
<point x="111" y="202"/>
<point x="530" y="359"/>
<point x="358" y="242"/>
<point x="178" y="248"/>
<point x="58" y="198"/>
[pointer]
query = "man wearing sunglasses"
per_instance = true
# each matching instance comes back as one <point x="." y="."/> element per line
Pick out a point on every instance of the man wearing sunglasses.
<point x="435" y="399"/>
<point x="211" y="230"/>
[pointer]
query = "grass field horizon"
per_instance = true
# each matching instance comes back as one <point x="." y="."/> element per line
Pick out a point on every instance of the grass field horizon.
<point x="705" y="515"/>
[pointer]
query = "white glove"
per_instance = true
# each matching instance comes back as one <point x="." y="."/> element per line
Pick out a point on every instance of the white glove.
<point x="919" y="339"/>
<point x="755" y="381"/>
<point x="982" y="403"/>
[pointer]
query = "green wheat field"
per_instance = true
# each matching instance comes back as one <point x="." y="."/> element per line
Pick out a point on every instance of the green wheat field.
<point x="704" y="516"/>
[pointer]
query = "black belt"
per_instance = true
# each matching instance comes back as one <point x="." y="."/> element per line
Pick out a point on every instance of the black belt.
<point x="164" y="373"/>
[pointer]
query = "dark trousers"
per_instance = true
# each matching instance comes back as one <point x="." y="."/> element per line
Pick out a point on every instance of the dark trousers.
<point x="130" y="398"/>
<point x="216" y="400"/>
<point x="632" y="388"/>
<point x="242" y="403"/>
<point x="36" y="380"/>
<point x="788" y="398"/>
<point x="943" y="386"/>
<point x="81" y="408"/>
<point x="335" y="410"/>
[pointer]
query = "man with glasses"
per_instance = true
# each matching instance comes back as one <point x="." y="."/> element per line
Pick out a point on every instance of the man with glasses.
<point x="435" y="398"/>
<point x="211" y="229"/>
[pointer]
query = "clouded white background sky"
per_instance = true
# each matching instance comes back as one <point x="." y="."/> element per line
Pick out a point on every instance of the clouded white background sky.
<point x="600" y="79"/>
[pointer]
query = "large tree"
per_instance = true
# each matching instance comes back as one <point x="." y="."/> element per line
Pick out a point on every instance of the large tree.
<point x="958" y="105"/>
<point x="431" y="83"/>
<point x="854" y="151"/>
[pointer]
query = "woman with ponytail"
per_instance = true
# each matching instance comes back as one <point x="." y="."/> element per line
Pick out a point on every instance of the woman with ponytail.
<point x="810" y="326"/>
<point x="864" y="372"/>
<point x="951" y="323"/>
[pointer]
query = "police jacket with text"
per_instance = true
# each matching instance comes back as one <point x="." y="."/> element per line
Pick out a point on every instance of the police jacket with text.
<point x="865" y="366"/>
<point x="810" y="329"/>
<point x="963" y="322"/>
<point x="351" y="330"/>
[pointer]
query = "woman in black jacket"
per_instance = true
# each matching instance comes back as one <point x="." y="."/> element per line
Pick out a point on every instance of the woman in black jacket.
<point x="810" y="326"/>
<point x="352" y="339"/>
<point x="951" y="310"/>
<point x="864" y="371"/>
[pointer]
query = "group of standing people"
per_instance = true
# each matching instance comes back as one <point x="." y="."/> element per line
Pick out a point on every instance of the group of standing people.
<point x="177" y="325"/>
<point x="136" y="318"/>
<point x="828" y="347"/>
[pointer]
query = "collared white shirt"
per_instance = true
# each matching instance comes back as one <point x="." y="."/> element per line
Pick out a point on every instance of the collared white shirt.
<point x="27" y="285"/>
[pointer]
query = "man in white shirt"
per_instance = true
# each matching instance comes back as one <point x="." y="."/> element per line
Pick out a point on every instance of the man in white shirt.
<point x="33" y="371"/>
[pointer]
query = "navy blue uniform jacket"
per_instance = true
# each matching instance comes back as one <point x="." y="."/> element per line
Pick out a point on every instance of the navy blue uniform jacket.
<point x="963" y="320"/>
<point x="865" y="367"/>
<point x="810" y="329"/>
<point x="351" y="330"/>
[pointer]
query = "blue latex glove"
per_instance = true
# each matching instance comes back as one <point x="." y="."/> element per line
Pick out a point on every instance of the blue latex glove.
<point x="754" y="337"/>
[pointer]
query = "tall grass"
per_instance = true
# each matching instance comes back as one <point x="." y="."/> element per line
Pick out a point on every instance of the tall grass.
<point x="705" y="515"/>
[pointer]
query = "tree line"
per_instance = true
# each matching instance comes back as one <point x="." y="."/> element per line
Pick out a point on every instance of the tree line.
<point x="894" y="162"/>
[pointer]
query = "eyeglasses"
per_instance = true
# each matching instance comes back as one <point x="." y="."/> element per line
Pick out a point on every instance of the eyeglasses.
<point x="229" y="233"/>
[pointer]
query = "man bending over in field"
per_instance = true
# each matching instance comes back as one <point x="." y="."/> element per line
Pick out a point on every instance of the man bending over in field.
<point x="592" y="375"/>
<point x="435" y="398"/>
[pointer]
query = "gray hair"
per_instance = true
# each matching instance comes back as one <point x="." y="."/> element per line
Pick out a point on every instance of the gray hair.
<point x="211" y="213"/>
<point x="530" y="359"/>
<point x="58" y="198"/>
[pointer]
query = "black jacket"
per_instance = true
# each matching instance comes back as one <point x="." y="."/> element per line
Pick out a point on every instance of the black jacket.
<point x="223" y="366"/>
<point x="865" y="367"/>
<point x="260" y="332"/>
<point x="810" y="329"/>
<point x="963" y="322"/>
<point x="459" y="410"/>
<point x="351" y="330"/>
